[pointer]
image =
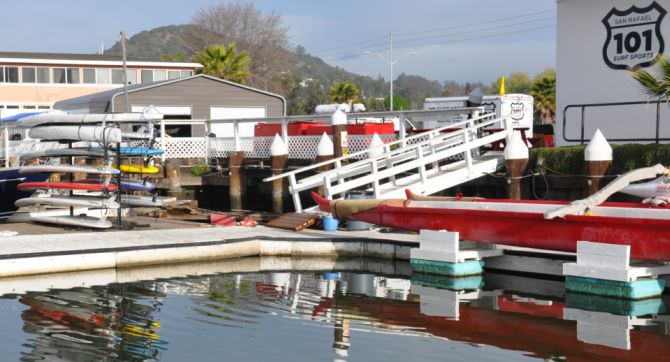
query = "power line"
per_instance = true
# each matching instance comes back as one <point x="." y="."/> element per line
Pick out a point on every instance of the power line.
<point x="319" y="52"/>
<point x="345" y="56"/>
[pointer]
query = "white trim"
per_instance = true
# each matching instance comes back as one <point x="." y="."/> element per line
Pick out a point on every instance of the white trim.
<point x="16" y="61"/>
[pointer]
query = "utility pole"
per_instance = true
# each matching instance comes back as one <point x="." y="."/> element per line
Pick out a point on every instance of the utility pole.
<point x="391" y="62"/>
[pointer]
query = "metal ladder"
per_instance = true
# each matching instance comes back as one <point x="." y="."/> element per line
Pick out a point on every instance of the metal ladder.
<point x="409" y="163"/>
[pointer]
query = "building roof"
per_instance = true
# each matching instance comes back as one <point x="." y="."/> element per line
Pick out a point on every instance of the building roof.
<point x="107" y="97"/>
<point x="68" y="58"/>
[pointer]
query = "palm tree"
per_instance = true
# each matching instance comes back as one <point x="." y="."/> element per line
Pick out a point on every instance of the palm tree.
<point x="224" y="63"/>
<point x="344" y="92"/>
<point x="655" y="83"/>
<point x="544" y="98"/>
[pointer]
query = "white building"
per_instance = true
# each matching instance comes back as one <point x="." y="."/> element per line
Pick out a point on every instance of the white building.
<point x="597" y="40"/>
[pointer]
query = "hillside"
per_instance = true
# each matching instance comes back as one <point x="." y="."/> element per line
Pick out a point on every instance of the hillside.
<point x="173" y="39"/>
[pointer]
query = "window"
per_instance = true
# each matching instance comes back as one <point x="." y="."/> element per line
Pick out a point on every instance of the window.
<point x="147" y="76"/>
<point x="73" y="75"/>
<point x="42" y="75"/>
<point x="12" y="74"/>
<point x="174" y="74"/>
<point x="28" y="75"/>
<point x="29" y="107"/>
<point x="89" y="76"/>
<point x="12" y="106"/>
<point x="131" y="75"/>
<point x="186" y="73"/>
<point x="117" y="76"/>
<point x="43" y="107"/>
<point x="102" y="76"/>
<point x="59" y="75"/>
<point x="159" y="75"/>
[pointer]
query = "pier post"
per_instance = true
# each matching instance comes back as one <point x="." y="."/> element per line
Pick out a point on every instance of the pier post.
<point x="516" y="159"/>
<point x="278" y="159"/>
<point x="598" y="160"/>
<point x="236" y="187"/>
<point x="324" y="152"/>
<point x="172" y="174"/>
<point x="339" y="123"/>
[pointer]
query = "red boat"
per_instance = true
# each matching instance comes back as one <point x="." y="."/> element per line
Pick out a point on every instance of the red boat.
<point x="646" y="228"/>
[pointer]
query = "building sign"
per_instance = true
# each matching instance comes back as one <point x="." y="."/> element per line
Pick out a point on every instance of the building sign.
<point x="633" y="36"/>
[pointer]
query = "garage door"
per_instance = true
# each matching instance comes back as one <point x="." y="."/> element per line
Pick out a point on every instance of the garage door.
<point x="226" y="129"/>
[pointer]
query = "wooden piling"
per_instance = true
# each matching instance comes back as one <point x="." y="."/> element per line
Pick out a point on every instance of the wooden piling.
<point x="235" y="175"/>
<point x="515" y="170"/>
<point x="340" y="140"/>
<point x="598" y="160"/>
<point x="278" y="163"/>
<point x="325" y="168"/>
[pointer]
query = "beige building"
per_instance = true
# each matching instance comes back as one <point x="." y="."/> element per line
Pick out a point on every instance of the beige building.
<point x="38" y="80"/>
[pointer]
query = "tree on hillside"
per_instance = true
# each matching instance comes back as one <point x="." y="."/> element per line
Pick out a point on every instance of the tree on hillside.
<point x="544" y="97"/>
<point x="225" y="63"/>
<point x="516" y="82"/>
<point x="399" y="103"/>
<point x="263" y="36"/>
<point x="178" y="57"/>
<point x="343" y="92"/>
<point x="656" y="81"/>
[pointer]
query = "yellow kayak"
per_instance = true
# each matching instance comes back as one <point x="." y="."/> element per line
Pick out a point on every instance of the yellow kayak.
<point x="138" y="169"/>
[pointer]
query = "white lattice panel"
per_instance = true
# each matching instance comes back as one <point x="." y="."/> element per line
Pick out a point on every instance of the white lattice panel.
<point x="359" y="143"/>
<point x="186" y="147"/>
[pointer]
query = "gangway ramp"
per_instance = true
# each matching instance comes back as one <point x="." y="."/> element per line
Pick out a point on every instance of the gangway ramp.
<point x="418" y="163"/>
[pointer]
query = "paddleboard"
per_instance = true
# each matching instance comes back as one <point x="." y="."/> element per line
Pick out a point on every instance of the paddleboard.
<point x="79" y="185"/>
<point x="65" y="201"/>
<point x="76" y="220"/>
<point x="100" y="170"/>
<point x="138" y="169"/>
<point x="76" y="133"/>
<point x="60" y="117"/>
<point x="66" y="152"/>
<point x="146" y="201"/>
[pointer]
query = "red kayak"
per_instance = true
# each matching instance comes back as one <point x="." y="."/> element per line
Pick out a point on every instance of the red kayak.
<point x="77" y="185"/>
<point x="520" y="223"/>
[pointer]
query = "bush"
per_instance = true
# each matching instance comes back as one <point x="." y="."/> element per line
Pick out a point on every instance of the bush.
<point x="199" y="170"/>
<point x="570" y="160"/>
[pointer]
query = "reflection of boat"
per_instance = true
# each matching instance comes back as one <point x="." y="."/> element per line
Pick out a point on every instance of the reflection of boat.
<point x="521" y="223"/>
<point x="9" y="179"/>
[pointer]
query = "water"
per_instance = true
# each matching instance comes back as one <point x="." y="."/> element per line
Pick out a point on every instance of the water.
<point x="316" y="315"/>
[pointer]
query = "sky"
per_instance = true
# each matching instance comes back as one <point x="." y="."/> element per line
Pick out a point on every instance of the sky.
<point x="473" y="40"/>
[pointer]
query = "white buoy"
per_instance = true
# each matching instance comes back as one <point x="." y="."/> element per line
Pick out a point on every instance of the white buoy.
<point x="338" y="118"/>
<point x="278" y="146"/>
<point x="516" y="148"/>
<point x="325" y="146"/>
<point x="598" y="148"/>
<point x="374" y="148"/>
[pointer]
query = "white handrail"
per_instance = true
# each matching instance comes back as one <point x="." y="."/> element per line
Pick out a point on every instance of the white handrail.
<point x="387" y="146"/>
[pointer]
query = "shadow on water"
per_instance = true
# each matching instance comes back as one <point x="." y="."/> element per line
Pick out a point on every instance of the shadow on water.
<point x="338" y="308"/>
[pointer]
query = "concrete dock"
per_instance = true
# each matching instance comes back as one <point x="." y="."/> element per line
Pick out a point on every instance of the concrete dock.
<point x="31" y="252"/>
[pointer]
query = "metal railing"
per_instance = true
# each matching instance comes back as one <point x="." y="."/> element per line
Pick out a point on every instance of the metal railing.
<point x="657" y="138"/>
<point x="420" y="152"/>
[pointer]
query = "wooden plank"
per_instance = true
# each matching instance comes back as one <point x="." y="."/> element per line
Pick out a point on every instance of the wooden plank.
<point x="294" y="221"/>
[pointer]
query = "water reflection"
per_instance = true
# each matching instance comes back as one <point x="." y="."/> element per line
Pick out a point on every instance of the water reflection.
<point x="506" y="316"/>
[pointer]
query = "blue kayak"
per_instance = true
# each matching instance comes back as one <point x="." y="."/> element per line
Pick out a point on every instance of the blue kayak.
<point x="139" y="151"/>
<point x="134" y="184"/>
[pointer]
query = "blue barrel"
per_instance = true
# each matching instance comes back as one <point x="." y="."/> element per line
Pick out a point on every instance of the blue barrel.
<point x="330" y="223"/>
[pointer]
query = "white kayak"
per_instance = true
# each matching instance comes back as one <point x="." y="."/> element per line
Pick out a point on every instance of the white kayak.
<point x="76" y="133"/>
<point x="67" y="201"/>
<point x="60" y="117"/>
<point x="75" y="220"/>
<point x="656" y="188"/>
<point x="99" y="170"/>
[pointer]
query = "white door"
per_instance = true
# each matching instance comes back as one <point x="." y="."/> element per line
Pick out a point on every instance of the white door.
<point x="226" y="129"/>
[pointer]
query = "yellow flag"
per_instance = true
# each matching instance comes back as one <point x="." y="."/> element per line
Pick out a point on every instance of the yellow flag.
<point x="502" y="86"/>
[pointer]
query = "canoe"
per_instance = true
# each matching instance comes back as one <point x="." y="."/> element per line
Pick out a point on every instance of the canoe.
<point x="79" y="185"/>
<point x="100" y="170"/>
<point x="60" y="117"/>
<point x="520" y="223"/>
<point x="76" y="133"/>
<point x="67" y="201"/>
<point x="75" y="220"/>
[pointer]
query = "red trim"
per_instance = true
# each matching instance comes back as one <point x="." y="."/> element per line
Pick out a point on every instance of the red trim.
<point x="87" y="186"/>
